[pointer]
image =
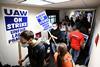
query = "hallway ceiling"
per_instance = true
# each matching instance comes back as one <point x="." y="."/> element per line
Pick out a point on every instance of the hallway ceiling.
<point x="69" y="4"/>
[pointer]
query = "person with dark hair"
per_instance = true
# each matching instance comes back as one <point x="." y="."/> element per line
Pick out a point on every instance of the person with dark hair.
<point x="85" y="28"/>
<point x="72" y="21"/>
<point x="76" y="42"/>
<point x="36" y="50"/>
<point x="84" y="25"/>
<point x="6" y="65"/>
<point x="62" y="57"/>
<point x="77" y="19"/>
<point x="56" y="35"/>
<point x="63" y="30"/>
<point x="67" y="18"/>
<point x="0" y="64"/>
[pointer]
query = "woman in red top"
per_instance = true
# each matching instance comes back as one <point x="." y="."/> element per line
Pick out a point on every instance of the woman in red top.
<point x="62" y="57"/>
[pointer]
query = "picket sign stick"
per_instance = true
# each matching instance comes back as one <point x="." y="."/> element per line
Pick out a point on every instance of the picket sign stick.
<point x="20" y="53"/>
<point x="52" y="38"/>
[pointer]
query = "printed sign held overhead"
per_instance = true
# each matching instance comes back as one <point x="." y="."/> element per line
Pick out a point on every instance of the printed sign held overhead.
<point x="43" y="20"/>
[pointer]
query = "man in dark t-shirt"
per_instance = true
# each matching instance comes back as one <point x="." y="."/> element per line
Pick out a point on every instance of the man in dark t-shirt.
<point x="36" y="50"/>
<point x="36" y="55"/>
<point x="56" y="37"/>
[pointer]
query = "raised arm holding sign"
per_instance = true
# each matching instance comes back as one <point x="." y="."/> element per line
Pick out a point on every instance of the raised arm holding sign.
<point x="44" y="22"/>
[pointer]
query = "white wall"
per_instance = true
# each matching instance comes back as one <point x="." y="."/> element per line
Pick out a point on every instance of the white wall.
<point x="9" y="52"/>
<point x="69" y="12"/>
<point x="95" y="51"/>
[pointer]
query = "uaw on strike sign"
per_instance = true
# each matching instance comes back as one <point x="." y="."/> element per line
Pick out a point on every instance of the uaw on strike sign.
<point x="15" y="22"/>
<point x="43" y="20"/>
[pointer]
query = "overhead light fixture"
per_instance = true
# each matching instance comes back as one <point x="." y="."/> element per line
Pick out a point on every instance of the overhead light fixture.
<point x="20" y="1"/>
<point x="41" y="2"/>
<point x="35" y="2"/>
<point x="56" y="1"/>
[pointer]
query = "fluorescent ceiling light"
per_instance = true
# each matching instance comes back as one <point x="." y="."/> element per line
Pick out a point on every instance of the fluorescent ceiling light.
<point x="41" y="2"/>
<point x="56" y="1"/>
<point x="35" y="2"/>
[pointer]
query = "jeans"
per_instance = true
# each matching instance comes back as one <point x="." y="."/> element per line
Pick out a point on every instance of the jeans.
<point x="52" y="48"/>
<point x="75" y="54"/>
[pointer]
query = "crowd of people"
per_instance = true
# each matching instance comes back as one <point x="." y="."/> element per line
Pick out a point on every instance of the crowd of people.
<point x="64" y="44"/>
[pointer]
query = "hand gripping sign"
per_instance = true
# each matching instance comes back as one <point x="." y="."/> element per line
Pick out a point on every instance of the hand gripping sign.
<point x="43" y="20"/>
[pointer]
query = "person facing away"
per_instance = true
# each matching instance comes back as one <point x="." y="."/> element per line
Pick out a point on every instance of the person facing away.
<point x="36" y="50"/>
<point x="62" y="57"/>
<point x="84" y="25"/>
<point x="72" y="22"/>
<point x="76" y="42"/>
